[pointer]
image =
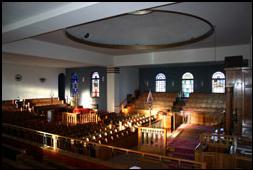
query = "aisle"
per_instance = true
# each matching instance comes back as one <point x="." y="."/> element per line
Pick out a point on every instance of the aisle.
<point x="185" y="143"/>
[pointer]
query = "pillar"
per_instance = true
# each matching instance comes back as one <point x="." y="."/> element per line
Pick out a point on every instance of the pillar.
<point x="229" y="110"/>
<point x="113" y="90"/>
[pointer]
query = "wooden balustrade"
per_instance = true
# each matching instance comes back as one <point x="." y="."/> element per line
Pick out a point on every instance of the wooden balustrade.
<point x="221" y="152"/>
<point x="44" y="101"/>
<point x="218" y="139"/>
<point x="161" y="101"/>
<point x="78" y="145"/>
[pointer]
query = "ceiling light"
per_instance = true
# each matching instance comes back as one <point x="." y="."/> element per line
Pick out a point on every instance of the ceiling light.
<point x="141" y="12"/>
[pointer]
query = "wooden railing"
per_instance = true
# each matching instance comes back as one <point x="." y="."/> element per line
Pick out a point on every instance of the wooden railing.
<point x="76" y="145"/>
<point x="218" y="138"/>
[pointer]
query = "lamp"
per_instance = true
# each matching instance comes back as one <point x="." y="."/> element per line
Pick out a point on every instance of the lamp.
<point x="141" y="12"/>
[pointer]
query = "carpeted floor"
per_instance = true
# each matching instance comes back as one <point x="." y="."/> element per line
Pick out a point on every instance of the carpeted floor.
<point x="187" y="140"/>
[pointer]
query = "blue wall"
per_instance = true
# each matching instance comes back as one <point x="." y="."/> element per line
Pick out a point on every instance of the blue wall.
<point x="128" y="81"/>
<point x="86" y="72"/>
<point x="202" y="73"/>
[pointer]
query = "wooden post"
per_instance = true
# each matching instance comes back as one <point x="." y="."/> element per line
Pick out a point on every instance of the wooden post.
<point x="203" y="165"/>
<point x="229" y="110"/>
<point x="139" y="137"/>
<point x="165" y="142"/>
<point x="150" y="108"/>
<point x="54" y="142"/>
<point x="174" y="121"/>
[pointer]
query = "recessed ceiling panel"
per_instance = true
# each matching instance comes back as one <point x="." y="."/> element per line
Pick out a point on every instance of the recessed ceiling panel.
<point x="157" y="29"/>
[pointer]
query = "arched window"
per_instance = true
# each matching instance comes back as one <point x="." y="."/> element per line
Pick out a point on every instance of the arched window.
<point x="95" y="84"/>
<point x="218" y="82"/>
<point x="160" y="85"/>
<point x="187" y="84"/>
<point x="74" y="84"/>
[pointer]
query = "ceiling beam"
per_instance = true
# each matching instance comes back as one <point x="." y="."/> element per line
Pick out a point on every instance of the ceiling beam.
<point x="69" y="15"/>
<point x="29" y="47"/>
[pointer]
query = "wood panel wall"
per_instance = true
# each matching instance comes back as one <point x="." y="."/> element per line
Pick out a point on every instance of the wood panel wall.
<point x="241" y="80"/>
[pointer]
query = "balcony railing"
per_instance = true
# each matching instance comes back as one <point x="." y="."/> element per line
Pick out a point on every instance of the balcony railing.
<point x="92" y="149"/>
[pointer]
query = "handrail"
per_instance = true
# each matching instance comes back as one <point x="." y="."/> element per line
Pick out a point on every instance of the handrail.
<point x="225" y="138"/>
<point x="159" y="157"/>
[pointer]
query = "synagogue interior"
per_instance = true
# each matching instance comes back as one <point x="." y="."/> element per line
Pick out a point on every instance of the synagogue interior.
<point x="128" y="85"/>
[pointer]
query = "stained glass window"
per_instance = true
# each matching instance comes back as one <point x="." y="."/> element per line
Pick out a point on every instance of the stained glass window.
<point x="74" y="84"/>
<point x="187" y="84"/>
<point x="218" y="82"/>
<point x="95" y="85"/>
<point x="160" y="83"/>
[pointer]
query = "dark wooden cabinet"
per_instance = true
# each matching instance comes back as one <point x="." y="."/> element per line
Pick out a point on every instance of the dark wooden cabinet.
<point x="240" y="79"/>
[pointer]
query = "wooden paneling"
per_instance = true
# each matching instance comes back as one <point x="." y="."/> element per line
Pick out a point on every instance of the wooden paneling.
<point x="161" y="102"/>
<point x="205" y="108"/>
<point x="241" y="81"/>
<point x="229" y="110"/>
<point x="216" y="160"/>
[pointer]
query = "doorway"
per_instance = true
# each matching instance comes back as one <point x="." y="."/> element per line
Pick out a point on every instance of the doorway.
<point x="61" y="86"/>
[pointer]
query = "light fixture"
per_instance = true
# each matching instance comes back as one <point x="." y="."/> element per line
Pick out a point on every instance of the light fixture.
<point x="141" y="12"/>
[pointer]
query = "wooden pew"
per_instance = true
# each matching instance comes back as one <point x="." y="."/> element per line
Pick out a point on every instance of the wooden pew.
<point x="205" y="108"/>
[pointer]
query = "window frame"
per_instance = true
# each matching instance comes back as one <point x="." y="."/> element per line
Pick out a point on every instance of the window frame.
<point x="221" y="80"/>
<point x="160" y="82"/>
<point x="95" y="78"/>
<point x="185" y="79"/>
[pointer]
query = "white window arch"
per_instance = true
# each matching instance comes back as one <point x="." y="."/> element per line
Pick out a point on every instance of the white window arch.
<point x="160" y="85"/>
<point x="95" y="85"/>
<point x="187" y="84"/>
<point x="218" y="82"/>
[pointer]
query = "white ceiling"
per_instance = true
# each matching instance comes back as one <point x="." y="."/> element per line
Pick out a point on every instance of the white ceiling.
<point x="42" y="23"/>
<point x="233" y="20"/>
<point x="14" y="12"/>
<point x="39" y="61"/>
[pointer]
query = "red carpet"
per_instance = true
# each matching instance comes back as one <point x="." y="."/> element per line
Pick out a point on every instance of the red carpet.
<point x="187" y="140"/>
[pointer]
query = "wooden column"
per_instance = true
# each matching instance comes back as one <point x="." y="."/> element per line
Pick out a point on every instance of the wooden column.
<point x="164" y="142"/>
<point x="229" y="110"/>
<point x="139" y="137"/>
<point x="174" y="121"/>
<point x="54" y="142"/>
